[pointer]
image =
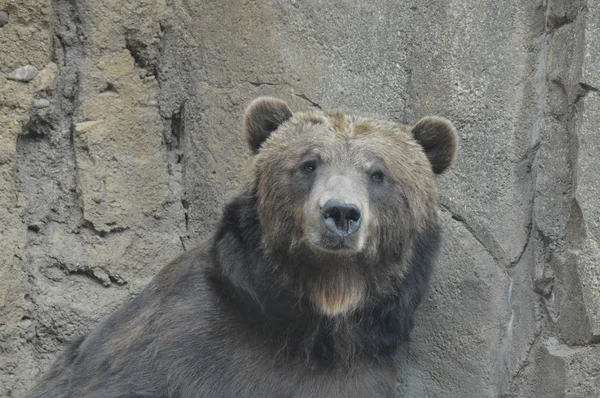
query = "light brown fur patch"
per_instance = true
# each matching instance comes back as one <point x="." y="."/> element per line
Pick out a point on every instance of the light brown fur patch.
<point x="339" y="122"/>
<point x="338" y="293"/>
<point x="362" y="128"/>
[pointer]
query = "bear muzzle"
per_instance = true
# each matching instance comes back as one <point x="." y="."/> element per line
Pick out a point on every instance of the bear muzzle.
<point x="336" y="214"/>
<point x="342" y="219"/>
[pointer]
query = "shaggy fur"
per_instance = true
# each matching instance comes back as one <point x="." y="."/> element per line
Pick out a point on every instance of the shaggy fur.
<point x="268" y="307"/>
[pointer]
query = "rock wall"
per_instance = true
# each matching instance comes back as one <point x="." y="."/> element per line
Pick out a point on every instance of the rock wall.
<point x="120" y="142"/>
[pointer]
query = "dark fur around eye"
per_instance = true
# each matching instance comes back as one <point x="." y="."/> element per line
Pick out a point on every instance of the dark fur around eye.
<point x="376" y="176"/>
<point x="309" y="166"/>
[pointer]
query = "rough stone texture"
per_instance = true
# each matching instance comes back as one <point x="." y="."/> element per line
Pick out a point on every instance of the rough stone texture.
<point x="137" y="147"/>
<point x="23" y="74"/>
<point x="588" y="198"/>
<point x="41" y="103"/>
<point x="3" y="18"/>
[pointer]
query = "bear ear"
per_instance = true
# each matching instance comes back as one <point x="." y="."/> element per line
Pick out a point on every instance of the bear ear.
<point x="437" y="136"/>
<point x="263" y="116"/>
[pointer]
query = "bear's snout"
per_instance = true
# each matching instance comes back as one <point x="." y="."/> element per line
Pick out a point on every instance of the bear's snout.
<point x="343" y="219"/>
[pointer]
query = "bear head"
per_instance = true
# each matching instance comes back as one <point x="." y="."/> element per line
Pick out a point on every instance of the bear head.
<point x="342" y="199"/>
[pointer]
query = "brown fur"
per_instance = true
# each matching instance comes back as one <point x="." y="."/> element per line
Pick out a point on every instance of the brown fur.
<point x="438" y="138"/>
<point x="338" y="292"/>
<point x="261" y="118"/>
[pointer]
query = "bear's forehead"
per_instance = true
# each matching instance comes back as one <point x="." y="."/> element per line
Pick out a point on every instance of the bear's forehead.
<point x="348" y="127"/>
<point x="337" y="132"/>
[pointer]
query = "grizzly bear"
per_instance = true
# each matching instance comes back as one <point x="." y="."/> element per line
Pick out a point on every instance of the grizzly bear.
<point x="309" y="285"/>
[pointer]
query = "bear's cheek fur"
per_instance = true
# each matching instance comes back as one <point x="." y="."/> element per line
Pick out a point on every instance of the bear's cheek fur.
<point x="281" y="210"/>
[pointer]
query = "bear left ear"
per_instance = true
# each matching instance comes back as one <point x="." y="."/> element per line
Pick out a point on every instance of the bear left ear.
<point x="263" y="116"/>
<point x="437" y="136"/>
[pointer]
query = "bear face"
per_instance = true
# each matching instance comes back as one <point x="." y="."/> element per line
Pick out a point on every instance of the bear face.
<point x="342" y="198"/>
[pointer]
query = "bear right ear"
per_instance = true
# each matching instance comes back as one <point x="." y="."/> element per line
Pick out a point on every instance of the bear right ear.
<point x="263" y="116"/>
<point x="437" y="136"/>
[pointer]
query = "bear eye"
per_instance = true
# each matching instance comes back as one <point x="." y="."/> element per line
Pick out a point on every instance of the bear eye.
<point x="309" y="167"/>
<point x="377" y="176"/>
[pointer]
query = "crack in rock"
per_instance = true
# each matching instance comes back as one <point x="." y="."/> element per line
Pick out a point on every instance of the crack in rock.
<point x="96" y="274"/>
<point x="480" y="233"/>
<point x="258" y="84"/>
<point x="304" y="97"/>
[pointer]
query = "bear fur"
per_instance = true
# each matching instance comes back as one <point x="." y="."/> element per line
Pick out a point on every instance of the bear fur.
<point x="307" y="288"/>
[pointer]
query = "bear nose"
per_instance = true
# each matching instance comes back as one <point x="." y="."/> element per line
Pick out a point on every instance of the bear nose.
<point x="341" y="218"/>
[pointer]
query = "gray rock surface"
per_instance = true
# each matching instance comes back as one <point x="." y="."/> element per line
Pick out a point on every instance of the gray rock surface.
<point x="3" y="18"/>
<point x="23" y="74"/>
<point x="139" y="147"/>
<point x="41" y="103"/>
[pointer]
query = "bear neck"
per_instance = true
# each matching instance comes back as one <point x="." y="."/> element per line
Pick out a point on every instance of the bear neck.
<point x="275" y="302"/>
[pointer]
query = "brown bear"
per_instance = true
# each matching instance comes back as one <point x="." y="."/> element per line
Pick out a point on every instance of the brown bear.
<point x="308" y="286"/>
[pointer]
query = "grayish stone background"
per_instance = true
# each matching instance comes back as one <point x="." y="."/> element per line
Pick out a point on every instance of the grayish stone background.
<point x="119" y="149"/>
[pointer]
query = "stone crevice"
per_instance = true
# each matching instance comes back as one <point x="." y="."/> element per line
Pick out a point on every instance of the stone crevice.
<point x="312" y="103"/>
<point x="483" y="235"/>
<point x="260" y="83"/>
